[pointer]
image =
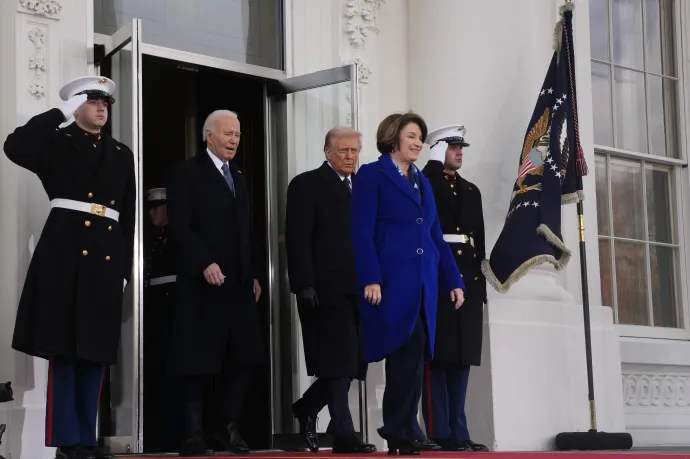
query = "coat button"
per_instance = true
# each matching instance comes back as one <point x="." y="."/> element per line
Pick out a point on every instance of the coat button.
<point x="457" y="229"/>
<point x="476" y="278"/>
<point x="107" y="258"/>
<point x="455" y="193"/>
<point x="420" y="221"/>
<point x="112" y="203"/>
<point x="459" y="252"/>
<point x="85" y="252"/>
<point x="87" y="223"/>
<point x="90" y="195"/>
<point x="110" y="228"/>
<point x="420" y="251"/>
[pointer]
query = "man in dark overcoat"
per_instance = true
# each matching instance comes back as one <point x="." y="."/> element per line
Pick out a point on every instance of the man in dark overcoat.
<point x="71" y="306"/>
<point x="216" y="327"/>
<point x="162" y="406"/>
<point x="458" y="331"/>
<point x="321" y="268"/>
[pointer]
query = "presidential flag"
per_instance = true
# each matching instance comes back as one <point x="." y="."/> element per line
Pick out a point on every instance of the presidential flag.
<point x="549" y="173"/>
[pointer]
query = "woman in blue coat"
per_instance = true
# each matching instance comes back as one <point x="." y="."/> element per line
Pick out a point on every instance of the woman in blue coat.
<point x="400" y="257"/>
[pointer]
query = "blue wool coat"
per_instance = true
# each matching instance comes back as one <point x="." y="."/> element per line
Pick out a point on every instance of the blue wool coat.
<point x="398" y="243"/>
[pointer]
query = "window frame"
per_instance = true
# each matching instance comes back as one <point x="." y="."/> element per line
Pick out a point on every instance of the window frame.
<point x="679" y="175"/>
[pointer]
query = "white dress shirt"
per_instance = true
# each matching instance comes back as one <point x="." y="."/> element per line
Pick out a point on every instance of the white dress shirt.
<point x="216" y="161"/>
<point x="342" y="177"/>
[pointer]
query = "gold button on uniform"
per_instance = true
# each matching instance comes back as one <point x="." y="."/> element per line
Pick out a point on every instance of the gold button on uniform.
<point x="455" y="193"/>
<point x="90" y="195"/>
<point x="85" y="252"/>
<point x="87" y="223"/>
<point x="457" y="229"/>
<point x="112" y="203"/>
<point x="107" y="258"/>
<point x="110" y="228"/>
<point x="459" y="252"/>
<point x="476" y="278"/>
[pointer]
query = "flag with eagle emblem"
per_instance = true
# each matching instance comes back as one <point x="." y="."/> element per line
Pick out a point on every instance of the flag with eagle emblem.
<point x="549" y="173"/>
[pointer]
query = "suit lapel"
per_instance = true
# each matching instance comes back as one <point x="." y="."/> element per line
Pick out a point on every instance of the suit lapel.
<point x="214" y="176"/>
<point x="398" y="180"/>
<point x="334" y="181"/>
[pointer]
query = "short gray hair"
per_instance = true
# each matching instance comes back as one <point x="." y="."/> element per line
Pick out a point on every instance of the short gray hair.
<point x="212" y="118"/>
<point x="340" y="131"/>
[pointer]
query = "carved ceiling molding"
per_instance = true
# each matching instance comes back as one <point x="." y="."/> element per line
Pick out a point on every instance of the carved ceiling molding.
<point x="37" y="61"/>
<point x="656" y="390"/>
<point x="47" y="8"/>
<point x="360" y="16"/>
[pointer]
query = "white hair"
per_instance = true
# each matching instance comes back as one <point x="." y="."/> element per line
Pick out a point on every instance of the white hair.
<point x="212" y="118"/>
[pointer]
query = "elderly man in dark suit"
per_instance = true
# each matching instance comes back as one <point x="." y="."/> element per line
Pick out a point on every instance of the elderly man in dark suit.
<point x="216" y="329"/>
<point x="321" y="268"/>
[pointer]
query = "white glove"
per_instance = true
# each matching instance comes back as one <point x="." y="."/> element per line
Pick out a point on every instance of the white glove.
<point x="68" y="108"/>
<point x="438" y="152"/>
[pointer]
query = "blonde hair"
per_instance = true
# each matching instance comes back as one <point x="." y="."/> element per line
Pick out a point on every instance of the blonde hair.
<point x="340" y="131"/>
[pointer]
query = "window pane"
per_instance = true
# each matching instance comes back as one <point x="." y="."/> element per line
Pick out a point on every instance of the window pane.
<point x="631" y="116"/>
<point x="662" y="115"/>
<point x="602" y="192"/>
<point x="601" y="104"/>
<point x="626" y="191"/>
<point x="246" y="31"/>
<point x="631" y="283"/>
<point x="627" y="33"/>
<point x="599" y="29"/>
<point x="605" y="272"/>
<point x="663" y="286"/>
<point x="659" y="204"/>
<point x="659" y="37"/>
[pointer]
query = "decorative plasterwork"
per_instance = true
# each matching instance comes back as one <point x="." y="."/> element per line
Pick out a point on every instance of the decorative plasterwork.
<point x="656" y="390"/>
<point x="361" y="20"/>
<point x="363" y="74"/>
<point x="49" y="8"/>
<point x="37" y="61"/>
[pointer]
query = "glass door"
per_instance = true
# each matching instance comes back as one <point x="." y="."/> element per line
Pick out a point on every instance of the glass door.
<point x="299" y="111"/>
<point x="121" y="417"/>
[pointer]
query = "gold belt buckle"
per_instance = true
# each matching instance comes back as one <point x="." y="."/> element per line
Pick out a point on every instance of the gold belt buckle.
<point x="98" y="209"/>
<point x="464" y="239"/>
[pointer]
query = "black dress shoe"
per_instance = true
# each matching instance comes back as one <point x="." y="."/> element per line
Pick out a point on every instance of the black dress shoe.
<point x="425" y="445"/>
<point x="99" y="453"/>
<point x="195" y="446"/>
<point x="229" y="436"/>
<point x="474" y="447"/>
<point x="449" y="444"/>
<point x="351" y="445"/>
<point x="73" y="452"/>
<point x="307" y="429"/>
<point x="401" y="447"/>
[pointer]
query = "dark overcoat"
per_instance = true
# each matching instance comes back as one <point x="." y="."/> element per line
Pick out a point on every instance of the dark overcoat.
<point x="71" y="305"/>
<point x="319" y="250"/>
<point x="459" y="205"/>
<point x="212" y="326"/>
<point x="398" y="244"/>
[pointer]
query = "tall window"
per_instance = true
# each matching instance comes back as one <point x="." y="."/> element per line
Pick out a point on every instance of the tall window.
<point x="635" y="90"/>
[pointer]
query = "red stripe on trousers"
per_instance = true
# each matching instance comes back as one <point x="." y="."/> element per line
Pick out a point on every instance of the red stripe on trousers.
<point x="429" y="403"/>
<point x="49" y="405"/>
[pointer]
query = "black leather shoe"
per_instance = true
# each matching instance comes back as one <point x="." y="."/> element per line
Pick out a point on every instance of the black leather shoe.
<point x="195" y="446"/>
<point x="351" y="445"/>
<point x="425" y="445"/>
<point x="307" y="429"/>
<point x="449" y="444"/>
<point x="474" y="447"/>
<point x="401" y="447"/>
<point x="99" y="453"/>
<point x="73" y="452"/>
<point x="229" y="436"/>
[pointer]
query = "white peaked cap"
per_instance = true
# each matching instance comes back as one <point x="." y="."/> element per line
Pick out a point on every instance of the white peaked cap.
<point x="91" y="85"/>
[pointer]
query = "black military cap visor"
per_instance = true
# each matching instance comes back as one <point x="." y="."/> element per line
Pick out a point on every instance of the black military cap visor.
<point x="95" y="94"/>
<point x="455" y="140"/>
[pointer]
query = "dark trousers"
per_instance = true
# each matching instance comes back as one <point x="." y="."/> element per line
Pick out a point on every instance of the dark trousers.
<point x="404" y="373"/>
<point x="74" y="389"/>
<point x="443" y="404"/>
<point x="228" y="397"/>
<point x="334" y="393"/>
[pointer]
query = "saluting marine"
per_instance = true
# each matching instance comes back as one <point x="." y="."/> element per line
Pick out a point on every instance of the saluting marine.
<point x="71" y="305"/>
<point x="162" y="405"/>
<point x="458" y="331"/>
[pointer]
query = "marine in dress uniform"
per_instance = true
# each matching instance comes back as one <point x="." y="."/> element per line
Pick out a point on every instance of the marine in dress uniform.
<point x="321" y="268"/>
<point x="458" y="332"/>
<point x="162" y="407"/>
<point x="71" y="305"/>
<point x="216" y="325"/>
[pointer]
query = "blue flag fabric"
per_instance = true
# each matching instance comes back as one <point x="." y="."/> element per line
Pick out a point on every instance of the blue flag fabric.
<point x="550" y="174"/>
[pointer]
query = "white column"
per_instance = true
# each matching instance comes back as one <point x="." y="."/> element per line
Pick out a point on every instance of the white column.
<point x="43" y="45"/>
<point x="481" y="64"/>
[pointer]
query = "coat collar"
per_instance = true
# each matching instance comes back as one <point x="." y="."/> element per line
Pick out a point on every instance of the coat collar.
<point x="391" y="171"/>
<point x="82" y="142"/>
<point x="334" y="181"/>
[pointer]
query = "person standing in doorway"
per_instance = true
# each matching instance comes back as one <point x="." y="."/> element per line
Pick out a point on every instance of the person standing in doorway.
<point x="458" y="331"/>
<point x="321" y="268"/>
<point x="162" y="407"/>
<point x="216" y="324"/>
<point x="70" y="310"/>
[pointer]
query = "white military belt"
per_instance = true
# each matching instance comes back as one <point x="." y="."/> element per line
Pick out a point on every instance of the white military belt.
<point x="458" y="238"/>
<point x="162" y="280"/>
<point x="89" y="208"/>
